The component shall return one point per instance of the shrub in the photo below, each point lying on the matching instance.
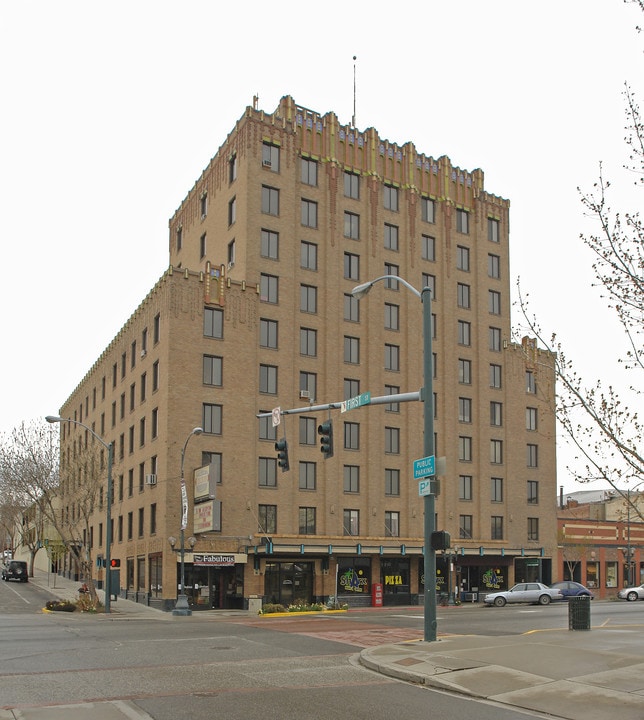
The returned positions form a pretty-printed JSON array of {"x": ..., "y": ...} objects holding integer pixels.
[
  {"x": 273, "y": 608},
  {"x": 60, "y": 606}
]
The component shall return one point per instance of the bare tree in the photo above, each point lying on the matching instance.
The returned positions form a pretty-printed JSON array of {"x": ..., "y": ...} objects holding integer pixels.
[{"x": 602, "y": 421}]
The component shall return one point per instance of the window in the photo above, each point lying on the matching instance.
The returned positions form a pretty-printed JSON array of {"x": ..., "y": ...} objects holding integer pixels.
[
  {"x": 351, "y": 482},
  {"x": 132, "y": 366},
  {"x": 493, "y": 230},
  {"x": 351, "y": 388},
  {"x": 308, "y": 435},
  {"x": 496, "y": 527},
  {"x": 202, "y": 246},
  {"x": 427, "y": 210},
  {"x": 308, "y": 298},
  {"x": 351, "y": 349},
  {"x": 463, "y": 258},
  {"x": 465, "y": 526},
  {"x": 392, "y": 441},
  {"x": 232, "y": 211},
  {"x": 392, "y": 321},
  {"x": 309, "y": 171},
  {"x": 268, "y": 379},
  {"x": 141, "y": 524},
  {"x": 212, "y": 418},
  {"x": 213, "y": 323},
  {"x": 351, "y": 436},
  {"x": 464, "y": 487},
  {"x": 141, "y": 477},
  {"x": 533, "y": 492},
  {"x": 391, "y": 269},
  {"x": 143, "y": 386},
  {"x": 307, "y": 476},
  {"x": 462, "y": 221},
  {"x": 309, "y": 383},
  {"x": 391, "y": 237},
  {"x": 269, "y": 244},
  {"x": 308, "y": 342},
  {"x": 496, "y": 489},
  {"x": 267, "y": 472},
  {"x": 464, "y": 333},
  {"x": 203, "y": 205},
  {"x": 533, "y": 528},
  {"x": 155, "y": 376},
  {"x": 308, "y": 255},
  {"x": 267, "y": 519},
  {"x": 179, "y": 238},
  {"x": 351, "y": 266},
  {"x": 392, "y": 523},
  {"x": 392, "y": 390},
  {"x": 142, "y": 432},
  {"x": 494, "y": 339},
  {"x": 153, "y": 519},
  {"x": 271, "y": 157},
  {"x": 154, "y": 430},
  {"x": 464, "y": 371},
  {"x": 391, "y": 198},
  {"x": 232, "y": 169},
  {"x": 351, "y": 308},
  {"x": 156, "y": 329},
  {"x": 130, "y": 482},
  {"x": 122, "y": 405},
  {"x": 268, "y": 288},
  {"x": 268, "y": 333},
  {"x": 496, "y": 414},
  {"x": 494, "y": 266},
  {"x": 267, "y": 431},
  {"x": 214, "y": 460},
  {"x": 530, "y": 382},
  {"x": 352, "y": 185},
  {"x": 132, "y": 396},
  {"x": 352, "y": 225},
  {"x": 123, "y": 371},
  {"x": 351, "y": 522},
  {"x": 428, "y": 247},
  {"x": 496, "y": 452},
  {"x": 495, "y": 376},
  {"x": 463, "y": 296},
  {"x": 392, "y": 357},
  {"x": 212, "y": 370},
  {"x": 270, "y": 200},
  {"x": 465, "y": 410},
  {"x": 494, "y": 302},
  {"x": 532, "y": 455},
  {"x": 392, "y": 482},
  {"x": 465, "y": 448},
  {"x": 531, "y": 418},
  {"x": 307, "y": 521},
  {"x": 309, "y": 213}
]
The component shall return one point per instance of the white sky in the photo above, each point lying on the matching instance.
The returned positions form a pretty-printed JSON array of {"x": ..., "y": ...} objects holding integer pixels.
[{"x": 112, "y": 111}]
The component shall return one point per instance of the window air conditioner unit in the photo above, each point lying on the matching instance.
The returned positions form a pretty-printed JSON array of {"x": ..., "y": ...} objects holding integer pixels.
[
  {"x": 143, "y": 353},
  {"x": 231, "y": 264},
  {"x": 150, "y": 479},
  {"x": 305, "y": 395},
  {"x": 266, "y": 163}
]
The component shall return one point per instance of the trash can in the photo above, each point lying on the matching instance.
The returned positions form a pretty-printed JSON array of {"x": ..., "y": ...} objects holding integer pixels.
[{"x": 579, "y": 613}]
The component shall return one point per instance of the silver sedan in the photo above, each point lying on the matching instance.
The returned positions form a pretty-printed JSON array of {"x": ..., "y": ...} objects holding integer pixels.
[
  {"x": 532, "y": 592},
  {"x": 631, "y": 593}
]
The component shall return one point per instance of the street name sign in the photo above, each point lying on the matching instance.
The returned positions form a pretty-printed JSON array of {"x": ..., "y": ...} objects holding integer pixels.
[{"x": 355, "y": 402}]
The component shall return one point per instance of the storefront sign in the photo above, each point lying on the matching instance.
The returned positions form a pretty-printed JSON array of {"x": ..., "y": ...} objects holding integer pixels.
[
  {"x": 205, "y": 482},
  {"x": 213, "y": 560}
]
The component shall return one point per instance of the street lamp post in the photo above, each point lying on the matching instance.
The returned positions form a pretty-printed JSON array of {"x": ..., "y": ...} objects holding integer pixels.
[
  {"x": 427, "y": 395},
  {"x": 181, "y": 607},
  {"x": 108, "y": 527}
]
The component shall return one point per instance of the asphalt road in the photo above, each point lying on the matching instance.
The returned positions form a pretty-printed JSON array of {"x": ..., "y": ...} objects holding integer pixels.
[{"x": 240, "y": 668}]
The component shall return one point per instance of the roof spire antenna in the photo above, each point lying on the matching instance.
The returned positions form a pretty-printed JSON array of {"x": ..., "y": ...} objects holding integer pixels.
[{"x": 353, "y": 119}]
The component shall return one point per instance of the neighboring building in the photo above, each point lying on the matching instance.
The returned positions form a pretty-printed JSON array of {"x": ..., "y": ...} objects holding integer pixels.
[
  {"x": 255, "y": 312},
  {"x": 597, "y": 538}
]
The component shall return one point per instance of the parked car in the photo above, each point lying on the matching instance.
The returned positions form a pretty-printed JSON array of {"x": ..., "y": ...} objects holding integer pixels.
[
  {"x": 532, "y": 592},
  {"x": 570, "y": 588},
  {"x": 15, "y": 570},
  {"x": 631, "y": 593}
]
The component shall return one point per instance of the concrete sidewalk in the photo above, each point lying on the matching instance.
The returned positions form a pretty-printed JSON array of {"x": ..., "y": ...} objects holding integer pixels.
[{"x": 580, "y": 675}]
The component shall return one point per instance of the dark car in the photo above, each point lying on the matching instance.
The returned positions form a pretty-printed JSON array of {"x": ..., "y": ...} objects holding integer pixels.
[
  {"x": 15, "y": 570},
  {"x": 569, "y": 589}
]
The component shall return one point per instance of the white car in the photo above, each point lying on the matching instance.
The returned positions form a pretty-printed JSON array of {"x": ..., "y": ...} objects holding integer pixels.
[
  {"x": 631, "y": 593},
  {"x": 532, "y": 592}
]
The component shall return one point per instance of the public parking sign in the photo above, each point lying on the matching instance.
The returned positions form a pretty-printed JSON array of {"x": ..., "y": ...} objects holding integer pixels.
[{"x": 425, "y": 467}]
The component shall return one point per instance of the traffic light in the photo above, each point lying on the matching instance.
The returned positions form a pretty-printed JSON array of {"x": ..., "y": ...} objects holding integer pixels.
[
  {"x": 441, "y": 540},
  {"x": 282, "y": 454},
  {"x": 325, "y": 431},
  {"x": 115, "y": 563}
]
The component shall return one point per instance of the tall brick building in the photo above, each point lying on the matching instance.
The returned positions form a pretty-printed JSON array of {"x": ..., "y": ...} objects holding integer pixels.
[{"x": 255, "y": 312}]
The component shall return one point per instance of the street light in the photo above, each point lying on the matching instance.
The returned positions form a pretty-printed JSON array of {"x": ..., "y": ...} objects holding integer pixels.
[
  {"x": 108, "y": 527},
  {"x": 427, "y": 395},
  {"x": 181, "y": 606}
]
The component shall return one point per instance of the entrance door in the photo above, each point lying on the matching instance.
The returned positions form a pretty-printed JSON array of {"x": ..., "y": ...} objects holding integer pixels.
[
  {"x": 289, "y": 583},
  {"x": 394, "y": 573}
]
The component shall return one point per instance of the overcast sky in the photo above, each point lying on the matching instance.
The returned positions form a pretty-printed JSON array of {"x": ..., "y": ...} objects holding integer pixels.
[{"x": 112, "y": 111}]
